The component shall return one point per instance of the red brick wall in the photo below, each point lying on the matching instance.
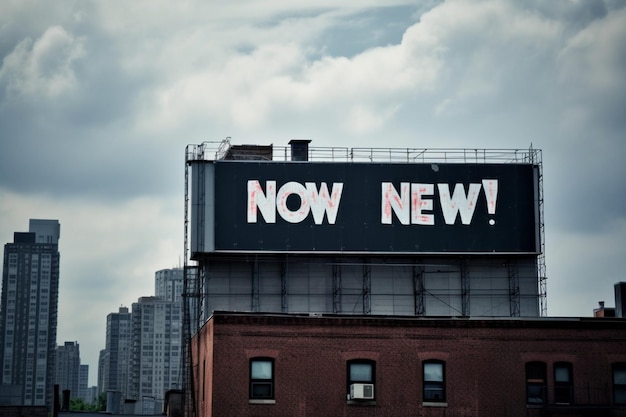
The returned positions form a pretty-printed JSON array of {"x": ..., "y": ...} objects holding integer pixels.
[{"x": 484, "y": 362}]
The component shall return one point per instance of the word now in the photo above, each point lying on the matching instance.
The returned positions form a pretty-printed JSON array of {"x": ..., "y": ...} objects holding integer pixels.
[
  {"x": 409, "y": 205},
  {"x": 312, "y": 200}
]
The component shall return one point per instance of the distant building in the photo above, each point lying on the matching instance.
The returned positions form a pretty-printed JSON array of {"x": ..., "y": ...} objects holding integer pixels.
[
  {"x": 116, "y": 356},
  {"x": 28, "y": 315},
  {"x": 156, "y": 363},
  {"x": 620, "y": 299},
  {"x": 168, "y": 284},
  {"x": 70, "y": 374}
]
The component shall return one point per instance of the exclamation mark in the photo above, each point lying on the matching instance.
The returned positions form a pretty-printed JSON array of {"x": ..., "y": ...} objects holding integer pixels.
[{"x": 491, "y": 192}]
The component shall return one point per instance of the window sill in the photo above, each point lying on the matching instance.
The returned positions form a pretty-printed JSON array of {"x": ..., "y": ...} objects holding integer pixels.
[
  {"x": 433, "y": 404},
  {"x": 361, "y": 402},
  {"x": 251, "y": 401}
]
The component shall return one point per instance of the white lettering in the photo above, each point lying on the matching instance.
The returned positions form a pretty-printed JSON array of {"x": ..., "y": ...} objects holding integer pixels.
[
  {"x": 392, "y": 202},
  {"x": 458, "y": 202},
  {"x": 292, "y": 216},
  {"x": 266, "y": 203},
  {"x": 419, "y": 203},
  {"x": 319, "y": 202},
  {"x": 322, "y": 202}
]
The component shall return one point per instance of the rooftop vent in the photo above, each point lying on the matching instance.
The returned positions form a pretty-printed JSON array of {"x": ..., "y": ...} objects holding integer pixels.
[{"x": 299, "y": 149}]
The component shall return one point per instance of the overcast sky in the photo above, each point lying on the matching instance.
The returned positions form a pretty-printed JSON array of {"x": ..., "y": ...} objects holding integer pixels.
[{"x": 98, "y": 100}]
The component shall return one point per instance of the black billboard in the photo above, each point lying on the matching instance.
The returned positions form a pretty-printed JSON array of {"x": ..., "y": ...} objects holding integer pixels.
[{"x": 367, "y": 207}]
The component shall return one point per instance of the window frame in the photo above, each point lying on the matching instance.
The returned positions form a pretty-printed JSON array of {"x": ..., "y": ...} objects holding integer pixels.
[
  {"x": 372, "y": 380},
  {"x": 429, "y": 386},
  {"x": 564, "y": 390},
  {"x": 255, "y": 382},
  {"x": 619, "y": 389},
  {"x": 538, "y": 380}
]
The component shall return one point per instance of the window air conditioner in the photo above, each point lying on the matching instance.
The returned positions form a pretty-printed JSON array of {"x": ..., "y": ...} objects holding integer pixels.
[{"x": 362, "y": 391}]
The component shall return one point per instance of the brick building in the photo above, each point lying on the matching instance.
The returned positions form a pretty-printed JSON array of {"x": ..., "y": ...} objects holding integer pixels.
[{"x": 251, "y": 364}]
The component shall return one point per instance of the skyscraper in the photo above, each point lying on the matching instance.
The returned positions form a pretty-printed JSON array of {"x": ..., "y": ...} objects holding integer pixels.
[
  {"x": 168, "y": 284},
  {"x": 117, "y": 353},
  {"x": 157, "y": 325},
  {"x": 70, "y": 374},
  {"x": 28, "y": 314}
]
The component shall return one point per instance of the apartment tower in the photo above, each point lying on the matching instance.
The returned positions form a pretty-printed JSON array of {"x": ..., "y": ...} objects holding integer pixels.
[{"x": 28, "y": 315}]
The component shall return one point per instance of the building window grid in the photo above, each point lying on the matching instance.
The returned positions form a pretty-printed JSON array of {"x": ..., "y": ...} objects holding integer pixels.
[
  {"x": 619, "y": 383},
  {"x": 262, "y": 379},
  {"x": 433, "y": 381},
  {"x": 563, "y": 383},
  {"x": 361, "y": 371},
  {"x": 536, "y": 387}
]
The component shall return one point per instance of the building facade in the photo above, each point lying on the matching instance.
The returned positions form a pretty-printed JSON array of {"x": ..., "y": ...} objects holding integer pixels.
[
  {"x": 117, "y": 353},
  {"x": 391, "y": 237},
  {"x": 156, "y": 352},
  {"x": 253, "y": 364},
  {"x": 28, "y": 314},
  {"x": 70, "y": 374},
  {"x": 168, "y": 284}
]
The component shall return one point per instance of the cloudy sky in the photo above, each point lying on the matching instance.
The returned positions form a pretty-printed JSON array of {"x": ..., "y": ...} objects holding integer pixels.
[{"x": 99, "y": 99}]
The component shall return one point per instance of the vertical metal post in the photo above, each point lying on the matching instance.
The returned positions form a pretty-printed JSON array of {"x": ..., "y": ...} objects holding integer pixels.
[
  {"x": 255, "y": 285},
  {"x": 465, "y": 288},
  {"x": 418, "y": 290},
  {"x": 367, "y": 288},
  {"x": 336, "y": 288},
  {"x": 514, "y": 293},
  {"x": 284, "y": 274}
]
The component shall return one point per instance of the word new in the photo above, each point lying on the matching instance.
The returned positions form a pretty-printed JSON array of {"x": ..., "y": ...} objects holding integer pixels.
[{"x": 411, "y": 205}]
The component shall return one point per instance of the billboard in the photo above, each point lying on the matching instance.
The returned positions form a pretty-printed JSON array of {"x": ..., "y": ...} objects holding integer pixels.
[{"x": 269, "y": 206}]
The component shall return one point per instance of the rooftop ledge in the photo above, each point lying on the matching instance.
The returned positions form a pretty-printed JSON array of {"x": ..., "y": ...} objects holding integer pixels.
[{"x": 224, "y": 150}]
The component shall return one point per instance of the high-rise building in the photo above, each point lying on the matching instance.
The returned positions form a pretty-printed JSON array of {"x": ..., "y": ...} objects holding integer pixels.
[
  {"x": 28, "y": 314},
  {"x": 168, "y": 284},
  {"x": 116, "y": 357},
  {"x": 155, "y": 365},
  {"x": 70, "y": 374}
]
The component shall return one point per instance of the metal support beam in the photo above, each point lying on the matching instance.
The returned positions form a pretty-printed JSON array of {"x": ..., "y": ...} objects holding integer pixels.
[
  {"x": 465, "y": 288},
  {"x": 514, "y": 293},
  {"x": 255, "y": 285},
  {"x": 418, "y": 290},
  {"x": 336, "y": 288},
  {"x": 284, "y": 273},
  {"x": 367, "y": 289}
]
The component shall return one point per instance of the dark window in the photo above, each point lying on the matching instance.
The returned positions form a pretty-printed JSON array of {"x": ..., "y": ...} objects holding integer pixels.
[
  {"x": 536, "y": 383},
  {"x": 434, "y": 382},
  {"x": 619, "y": 383},
  {"x": 362, "y": 371},
  {"x": 563, "y": 383},
  {"x": 262, "y": 378}
]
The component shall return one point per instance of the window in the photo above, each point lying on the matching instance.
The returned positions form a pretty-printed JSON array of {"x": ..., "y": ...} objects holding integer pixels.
[
  {"x": 535, "y": 383},
  {"x": 563, "y": 383},
  {"x": 434, "y": 383},
  {"x": 262, "y": 378},
  {"x": 619, "y": 383},
  {"x": 361, "y": 371}
]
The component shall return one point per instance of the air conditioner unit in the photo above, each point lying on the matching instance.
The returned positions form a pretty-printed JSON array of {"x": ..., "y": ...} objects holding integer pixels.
[{"x": 362, "y": 391}]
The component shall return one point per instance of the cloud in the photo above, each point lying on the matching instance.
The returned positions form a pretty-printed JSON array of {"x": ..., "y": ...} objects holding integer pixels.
[{"x": 98, "y": 100}]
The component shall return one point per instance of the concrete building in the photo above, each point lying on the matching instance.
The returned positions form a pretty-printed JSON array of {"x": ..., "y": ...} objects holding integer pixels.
[
  {"x": 117, "y": 353},
  {"x": 156, "y": 353},
  {"x": 70, "y": 374},
  {"x": 255, "y": 364},
  {"x": 168, "y": 284},
  {"x": 28, "y": 315}
]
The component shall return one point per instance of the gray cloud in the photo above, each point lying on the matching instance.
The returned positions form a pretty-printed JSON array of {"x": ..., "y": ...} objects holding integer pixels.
[{"x": 97, "y": 103}]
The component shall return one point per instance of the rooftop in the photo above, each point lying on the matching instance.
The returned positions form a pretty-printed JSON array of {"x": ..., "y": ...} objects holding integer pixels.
[{"x": 220, "y": 150}]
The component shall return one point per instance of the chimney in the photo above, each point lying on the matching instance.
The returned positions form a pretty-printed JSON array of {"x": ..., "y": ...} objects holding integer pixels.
[{"x": 299, "y": 149}]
